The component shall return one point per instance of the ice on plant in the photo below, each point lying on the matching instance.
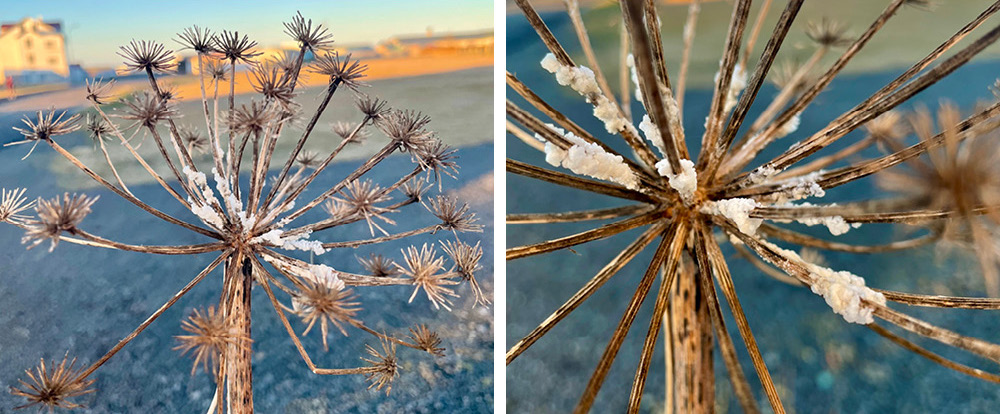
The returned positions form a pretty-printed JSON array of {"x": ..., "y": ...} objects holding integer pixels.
[{"x": 589, "y": 159}]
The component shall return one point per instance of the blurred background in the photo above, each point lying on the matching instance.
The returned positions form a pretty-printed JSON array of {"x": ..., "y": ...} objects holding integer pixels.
[
  {"x": 433, "y": 56},
  {"x": 820, "y": 364}
]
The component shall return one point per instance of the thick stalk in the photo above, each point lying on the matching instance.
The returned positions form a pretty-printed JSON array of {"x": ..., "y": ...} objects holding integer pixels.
[
  {"x": 239, "y": 374},
  {"x": 691, "y": 338}
]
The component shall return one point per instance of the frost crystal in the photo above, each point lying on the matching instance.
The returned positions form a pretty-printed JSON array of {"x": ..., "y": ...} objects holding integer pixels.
[
  {"x": 207, "y": 214},
  {"x": 738, "y": 210},
  {"x": 686, "y": 182},
  {"x": 294, "y": 242},
  {"x": 652, "y": 134},
  {"x": 736, "y": 85},
  {"x": 836, "y": 224},
  {"x": 589, "y": 159},
  {"x": 582, "y": 80},
  {"x": 788, "y": 127},
  {"x": 842, "y": 290},
  {"x": 801, "y": 187}
]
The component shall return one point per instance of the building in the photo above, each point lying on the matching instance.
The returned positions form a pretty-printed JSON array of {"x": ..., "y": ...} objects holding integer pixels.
[
  {"x": 476, "y": 43},
  {"x": 33, "y": 51}
]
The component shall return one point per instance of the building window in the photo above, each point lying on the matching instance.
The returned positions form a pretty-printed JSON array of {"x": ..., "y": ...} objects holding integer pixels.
[
  {"x": 31, "y": 59},
  {"x": 53, "y": 61},
  {"x": 51, "y": 44},
  {"x": 27, "y": 43}
]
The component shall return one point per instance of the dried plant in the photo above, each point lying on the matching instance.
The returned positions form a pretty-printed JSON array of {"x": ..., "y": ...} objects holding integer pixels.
[
  {"x": 689, "y": 207},
  {"x": 253, "y": 226}
]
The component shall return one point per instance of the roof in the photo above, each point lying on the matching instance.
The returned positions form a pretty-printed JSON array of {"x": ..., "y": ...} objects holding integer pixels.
[
  {"x": 423, "y": 40},
  {"x": 56, "y": 25}
]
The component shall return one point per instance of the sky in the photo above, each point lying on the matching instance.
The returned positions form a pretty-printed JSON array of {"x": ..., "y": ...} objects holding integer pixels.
[{"x": 95, "y": 32}]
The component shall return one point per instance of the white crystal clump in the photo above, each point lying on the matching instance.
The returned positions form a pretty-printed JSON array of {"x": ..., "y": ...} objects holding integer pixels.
[
  {"x": 836, "y": 224},
  {"x": 590, "y": 159},
  {"x": 842, "y": 290},
  {"x": 582, "y": 80},
  {"x": 300, "y": 241},
  {"x": 737, "y": 83},
  {"x": 738, "y": 211},
  {"x": 685, "y": 182},
  {"x": 652, "y": 134}
]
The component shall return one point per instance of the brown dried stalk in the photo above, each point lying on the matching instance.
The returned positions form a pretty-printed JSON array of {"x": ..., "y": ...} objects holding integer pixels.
[{"x": 690, "y": 204}]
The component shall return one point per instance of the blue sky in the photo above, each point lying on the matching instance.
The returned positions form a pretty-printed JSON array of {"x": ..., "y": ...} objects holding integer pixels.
[{"x": 95, "y": 30}]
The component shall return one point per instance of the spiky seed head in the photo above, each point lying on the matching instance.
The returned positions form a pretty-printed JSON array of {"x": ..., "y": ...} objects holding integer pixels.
[
  {"x": 286, "y": 62},
  {"x": 379, "y": 266},
  {"x": 338, "y": 209},
  {"x": 373, "y": 108},
  {"x": 437, "y": 158},
  {"x": 308, "y": 159},
  {"x": 235, "y": 48},
  {"x": 216, "y": 70},
  {"x": 302, "y": 31},
  {"x": 192, "y": 138},
  {"x": 52, "y": 386},
  {"x": 785, "y": 72},
  {"x": 362, "y": 196},
  {"x": 148, "y": 109},
  {"x": 147, "y": 55},
  {"x": 453, "y": 217},
  {"x": 48, "y": 125},
  {"x": 886, "y": 127},
  {"x": 384, "y": 368},
  {"x": 12, "y": 203},
  {"x": 828, "y": 33},
  {"x": 341, "y": 71},
  {"x": 200, "y": 40},
  {"x": 210, "y": 334},
  {"x": 270, "y": 81},
  {"x": 328, "y": 303},
  {"x": 422, "y": 267},
  {"x": 407, "y": 128},
  {"x": 427, "y": 340},
  {"x": 414, "y": 189},
  {"x": 56, "y": 216},
  {"x": 97, "y": 129},
  {"x": 251, "y": 119},
  {"x": 169, "y": 92},
  {"x": 465, "y": 256},
  {"x": 345, "y": 129},
  {"x": 466, "y": 259},
  {"x": 99, "y": 91}
]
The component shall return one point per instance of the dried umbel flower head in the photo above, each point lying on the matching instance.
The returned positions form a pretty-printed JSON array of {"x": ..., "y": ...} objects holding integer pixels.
[
  {"x": 350, "y": 132},
  {"x": 438, "y": 157},
  {"x": 217, "y": 70},
  {"x": 379, "y": 266},
  {"x": 327, "y": 302},
  {"x": 427, "y": 340},
  {"x": 828, "y": 33},
  {"x": 235, "y": 48},
  {"x": 52, "y": 386},
  {"x": 12, "y": 204},
  {"x": 740, "y": 184},
  {"x": 193, "y": 139},
  {"x": 251, "y": 119},
  {"x": 56, "y": 216},
  {"x": 466, "y": 259},
  {"x": 252, "y": 209},
  {"x": 97, "y": 128},
  {"x": 341, "y": 71},
  {"x": 383, "y": 366},
  {"x": 198, "y": 39},
  {"x": 374, "y": 108},
  {"x": 886, "y": 128},
  {"x": 271, "y": 82},
  {"x": 425, "y": 269},
  {"x": 99, "y": 91},
  {"x": 45, "y": 128},
  {"x": 147, "y": 109},
  {"x": 148, "y": 56},
  {"x": 407, "y": 129},
  {"x": 210, "y": 333},
  {"x": 964, "y": 177},
  {"x": 309, "y": 37},
  {"x": 453, "y": 217}
]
